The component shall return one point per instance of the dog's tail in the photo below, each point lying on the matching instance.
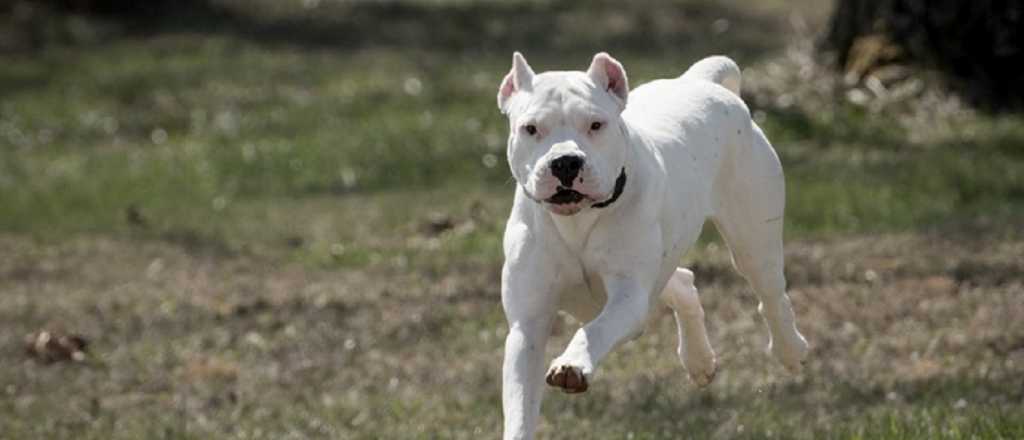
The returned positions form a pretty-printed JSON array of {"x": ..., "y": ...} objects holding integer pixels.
[{"x": 717, "y": 69}]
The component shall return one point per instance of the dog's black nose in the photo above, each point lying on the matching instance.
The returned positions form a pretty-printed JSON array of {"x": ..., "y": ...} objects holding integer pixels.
[{"x": 565, "y": 168}]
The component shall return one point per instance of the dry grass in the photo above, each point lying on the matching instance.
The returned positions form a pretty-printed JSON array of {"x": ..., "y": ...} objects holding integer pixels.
[
  {"x": 192, "y": 345},
  {"x": 227, "y": 215}
]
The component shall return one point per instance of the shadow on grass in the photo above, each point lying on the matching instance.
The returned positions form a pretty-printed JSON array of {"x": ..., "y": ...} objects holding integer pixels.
[
  {"x": 557, "y": 27},
  {"x": 640, "y": 28}
]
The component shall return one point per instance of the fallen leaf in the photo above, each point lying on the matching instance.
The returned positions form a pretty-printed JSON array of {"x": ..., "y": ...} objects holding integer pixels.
[{"x": 54, "y": 346}]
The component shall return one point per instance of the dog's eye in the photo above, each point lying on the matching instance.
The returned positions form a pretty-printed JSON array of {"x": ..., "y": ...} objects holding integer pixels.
[
  {"x": 530, "y": 129},
  {"x": 596, "y": 126}
]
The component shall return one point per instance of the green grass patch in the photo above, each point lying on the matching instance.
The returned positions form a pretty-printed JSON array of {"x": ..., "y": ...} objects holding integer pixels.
[{"x": 182, "y": 129}]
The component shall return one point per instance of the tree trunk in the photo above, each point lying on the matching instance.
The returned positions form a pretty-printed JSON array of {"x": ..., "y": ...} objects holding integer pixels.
[{"x": 978, "y": 43}]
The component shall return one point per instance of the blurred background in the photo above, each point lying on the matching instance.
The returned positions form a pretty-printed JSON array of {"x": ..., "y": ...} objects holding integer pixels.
[{"x": 282, "y": 218}]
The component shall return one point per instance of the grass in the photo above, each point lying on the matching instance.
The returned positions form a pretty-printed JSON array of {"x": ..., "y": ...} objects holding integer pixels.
[
  {"x": 270, "y": 234},
  {"x": 206, "y": 122}
]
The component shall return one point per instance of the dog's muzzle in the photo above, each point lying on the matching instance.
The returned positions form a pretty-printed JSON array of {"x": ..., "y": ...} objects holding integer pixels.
[{"x": 565, "y": 196}]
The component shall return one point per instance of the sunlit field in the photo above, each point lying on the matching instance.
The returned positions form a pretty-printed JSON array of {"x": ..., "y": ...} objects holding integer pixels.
[{"x": 286, "y": 223}]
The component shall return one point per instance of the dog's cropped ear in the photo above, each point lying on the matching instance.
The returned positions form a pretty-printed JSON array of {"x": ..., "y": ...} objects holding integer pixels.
[
  {"x": 519, "y": 79},
  {"x": 608, "y": 73}
]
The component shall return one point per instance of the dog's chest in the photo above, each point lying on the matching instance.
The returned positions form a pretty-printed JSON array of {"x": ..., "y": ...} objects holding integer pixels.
[
  {"x": 583, "y": 294},
  {"x": 575, "y": 230}
]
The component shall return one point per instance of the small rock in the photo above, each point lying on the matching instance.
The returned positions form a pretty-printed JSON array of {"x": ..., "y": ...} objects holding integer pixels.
[
  {"x": 437, "y": 223},
  {"x": 50, "y": 347}
]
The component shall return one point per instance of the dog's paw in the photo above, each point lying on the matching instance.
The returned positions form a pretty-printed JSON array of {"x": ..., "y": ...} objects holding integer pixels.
[
  {"x": 569, "y": 378},
  {"x": 699, "y": 361},
  {"x": 703, "y": 372},
  {"x": 791, "y": 351}
]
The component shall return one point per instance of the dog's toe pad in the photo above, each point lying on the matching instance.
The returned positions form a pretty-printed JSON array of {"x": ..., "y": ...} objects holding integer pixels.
[{"x": 570, "y": 379}]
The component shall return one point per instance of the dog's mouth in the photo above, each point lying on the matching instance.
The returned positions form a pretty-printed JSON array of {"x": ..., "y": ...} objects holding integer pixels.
[{"x": 565, "y": 196}]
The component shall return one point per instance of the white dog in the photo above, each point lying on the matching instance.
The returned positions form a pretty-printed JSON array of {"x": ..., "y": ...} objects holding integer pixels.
[{"x": 609, "y": 198}]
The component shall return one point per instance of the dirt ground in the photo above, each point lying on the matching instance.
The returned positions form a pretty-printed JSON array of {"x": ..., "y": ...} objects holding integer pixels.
[{"x": 190, "y": 343}]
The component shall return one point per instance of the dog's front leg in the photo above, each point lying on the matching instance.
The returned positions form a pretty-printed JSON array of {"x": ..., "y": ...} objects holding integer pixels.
[
  {"x": 529, "y": 302},
  {"x": 623, "y": 317}
]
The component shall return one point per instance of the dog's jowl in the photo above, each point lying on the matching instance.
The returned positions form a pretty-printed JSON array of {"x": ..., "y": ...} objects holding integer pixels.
[{"x": 613, "y": 186}]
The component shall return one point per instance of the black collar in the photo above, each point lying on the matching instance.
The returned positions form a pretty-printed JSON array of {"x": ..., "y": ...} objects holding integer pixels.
[{"x": 620, "y": 184}]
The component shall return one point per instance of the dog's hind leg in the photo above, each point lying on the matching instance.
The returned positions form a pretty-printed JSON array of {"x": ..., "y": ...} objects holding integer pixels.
[
  {"x": 694, "y": 348},
  {"x": 749, "y": 218}
]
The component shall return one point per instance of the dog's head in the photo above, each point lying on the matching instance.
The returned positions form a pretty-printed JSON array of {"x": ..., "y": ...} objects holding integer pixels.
[{"x": 567, "y": 144}]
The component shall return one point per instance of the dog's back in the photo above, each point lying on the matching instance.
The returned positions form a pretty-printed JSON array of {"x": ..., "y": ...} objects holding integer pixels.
[
  {"x": 718, "y": 69},
  {"x": 668, "y": 105},
  {"x": 696, "y": 122}
]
